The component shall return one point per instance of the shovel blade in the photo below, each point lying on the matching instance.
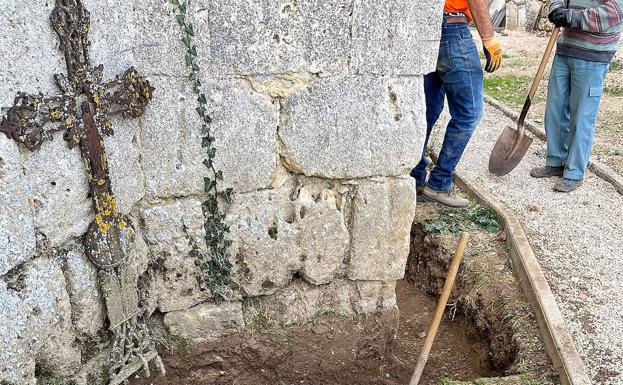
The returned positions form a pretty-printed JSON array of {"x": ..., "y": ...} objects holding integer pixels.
[{"x": 508, "y": 152}]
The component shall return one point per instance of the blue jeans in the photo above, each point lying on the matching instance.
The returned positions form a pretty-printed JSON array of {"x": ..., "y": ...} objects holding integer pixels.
[
  {"x": 458, "y": 77},
  {"x": 573, "y": 97}
]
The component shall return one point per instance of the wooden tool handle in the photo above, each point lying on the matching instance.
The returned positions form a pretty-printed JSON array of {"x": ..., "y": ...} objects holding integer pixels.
[
  {"x": 441, "y": 306},
  {"x": 538, "y": 77}
]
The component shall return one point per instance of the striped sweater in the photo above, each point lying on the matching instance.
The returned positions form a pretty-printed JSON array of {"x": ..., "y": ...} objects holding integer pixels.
[{"x": 597, "y": 29}]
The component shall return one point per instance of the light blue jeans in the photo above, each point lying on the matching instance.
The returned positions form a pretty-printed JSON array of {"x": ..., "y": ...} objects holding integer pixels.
[{"x": 573, "y": 97}]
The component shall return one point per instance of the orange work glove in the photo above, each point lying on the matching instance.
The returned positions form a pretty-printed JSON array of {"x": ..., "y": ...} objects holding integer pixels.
[{"x": 493, "y": 53}]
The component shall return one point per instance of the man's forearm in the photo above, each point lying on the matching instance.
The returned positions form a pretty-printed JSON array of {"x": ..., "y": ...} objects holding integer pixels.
[{"x": 480, "y": 13}]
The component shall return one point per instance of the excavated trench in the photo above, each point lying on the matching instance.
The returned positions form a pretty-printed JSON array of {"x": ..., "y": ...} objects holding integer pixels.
[{"x": 489, "y": 331}]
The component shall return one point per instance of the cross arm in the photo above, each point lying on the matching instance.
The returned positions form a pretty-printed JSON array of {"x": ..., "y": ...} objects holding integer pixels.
[{"x": 27, "y": 119}]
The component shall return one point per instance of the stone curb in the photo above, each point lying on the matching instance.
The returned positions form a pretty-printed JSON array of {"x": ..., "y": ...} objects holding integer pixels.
[
  {"x": 601, "y": 170},
  {"x": 558, "y": 342}
]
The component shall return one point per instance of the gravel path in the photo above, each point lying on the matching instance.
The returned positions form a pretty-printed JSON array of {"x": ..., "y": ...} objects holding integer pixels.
[{"x": 577, "y": 237}]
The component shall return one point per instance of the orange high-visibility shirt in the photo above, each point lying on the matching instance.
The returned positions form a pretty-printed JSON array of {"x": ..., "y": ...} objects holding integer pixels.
[{"x": 458, "y": 6}]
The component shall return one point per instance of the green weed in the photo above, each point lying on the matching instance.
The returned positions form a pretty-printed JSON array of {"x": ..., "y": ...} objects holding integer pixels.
[
  {"x": 509, "y": 89},
  {"x": 478, "y": 217},
  {"x": 179, "y": 344}
]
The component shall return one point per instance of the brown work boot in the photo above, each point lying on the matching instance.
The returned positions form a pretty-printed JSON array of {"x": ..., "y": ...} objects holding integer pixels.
[
  {"x": 547, "y": 171},
  {"x": 448, "y": 198}
]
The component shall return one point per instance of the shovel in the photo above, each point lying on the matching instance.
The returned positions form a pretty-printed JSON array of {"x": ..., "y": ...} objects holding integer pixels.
[{"x": 513, "y": 144}]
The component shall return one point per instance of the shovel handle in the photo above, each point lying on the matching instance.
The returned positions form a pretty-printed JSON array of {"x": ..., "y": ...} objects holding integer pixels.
[
  {"x": 441, "y": 306},
  {"x": 537, "y": 80}
]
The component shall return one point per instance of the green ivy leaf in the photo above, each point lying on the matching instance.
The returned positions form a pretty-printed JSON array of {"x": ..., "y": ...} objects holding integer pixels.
[
  {"x": 193, "y": 50},
  {"x": 183, "y": 7},
  {"x": 202, "y": 99},
  {"x": 211, "y": 152},
  {"x": 189, "y": 60},
  {"x": 207, "y": 163},
  {"x": 228, "y": 196},
  {"x": 181, "y": 20},
  {"x": 201, "y": 111},
  {"x": 190, "y": 30},
  {"x": 218, "y": 175},
  {"x": 186, "y": 41}
]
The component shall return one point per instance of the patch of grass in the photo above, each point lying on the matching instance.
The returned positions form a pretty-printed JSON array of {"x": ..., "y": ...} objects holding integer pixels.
[
  {"x": 614, "y": 91},
  {"x": 179, "y": 344},
  {"x": 605, "y": 151},
  {"x": 509, "y": 89},
  {"x": 616, "y": 66},
  {"x": 477, "y": 217}
]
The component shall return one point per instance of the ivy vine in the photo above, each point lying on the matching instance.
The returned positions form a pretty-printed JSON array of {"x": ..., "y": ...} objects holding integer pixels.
[{"x": 215, "y": 268}]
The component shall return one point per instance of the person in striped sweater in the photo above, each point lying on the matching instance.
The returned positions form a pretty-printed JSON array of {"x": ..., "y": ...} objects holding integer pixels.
[{"x": 591, "y": 31}]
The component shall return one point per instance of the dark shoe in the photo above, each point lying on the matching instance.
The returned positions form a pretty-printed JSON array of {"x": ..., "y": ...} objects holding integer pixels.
[
  {"x": 567, "y": 185},
  {"x": 547, "y": 171},
  {"x": 419, "y": 189},
  {"x": 447, "y": 198}
]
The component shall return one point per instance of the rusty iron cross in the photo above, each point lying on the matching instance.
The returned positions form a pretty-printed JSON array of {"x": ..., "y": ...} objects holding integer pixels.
[{"x": 83, "y": 110}]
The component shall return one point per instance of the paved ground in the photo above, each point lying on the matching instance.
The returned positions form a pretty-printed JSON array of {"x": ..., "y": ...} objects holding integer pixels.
[{"x": 578, "y": 239}]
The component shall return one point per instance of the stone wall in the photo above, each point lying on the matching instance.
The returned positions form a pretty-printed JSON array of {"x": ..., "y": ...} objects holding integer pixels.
[{"x": 318, "y": 115}]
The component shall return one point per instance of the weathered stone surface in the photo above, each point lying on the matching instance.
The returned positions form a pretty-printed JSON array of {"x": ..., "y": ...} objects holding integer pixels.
[
  {"x": 371, "y": 126},
  {"x": 301, "y": 302},
  {"x": 205, "y": 321},
  {"x": 245, "y": 126},
  {"x": 278, "y": 233},
  {"x": 58, "y": 183},
  {"x": 396, "y": 36},
  {"x": 87, "y": 308},
  {"x": 267, "y": 36},
  {"x": 126, "y": 175},
  {"x": 35, "y": 324},
  {"x": 29, "y": 53},
  {"x": 17, "y": 232},
  {"x": 176, "y": 277},
  {"x": 383, "y": 212}
]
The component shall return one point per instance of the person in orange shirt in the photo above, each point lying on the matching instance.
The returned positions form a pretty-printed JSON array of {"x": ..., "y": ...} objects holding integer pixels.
[{"x": 459, "y": 79}]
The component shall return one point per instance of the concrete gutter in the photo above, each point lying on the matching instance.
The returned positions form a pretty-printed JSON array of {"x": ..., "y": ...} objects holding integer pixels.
[
  {"x": 558, "y": 341},
  {"x": 601, "y": 170}
]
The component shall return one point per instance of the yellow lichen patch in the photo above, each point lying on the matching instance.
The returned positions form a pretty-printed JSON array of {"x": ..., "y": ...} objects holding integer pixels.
[
  {"x": 69, "y": 121},
  {"x": 98, "y": 219},
  {"x": 104, "y": 227},
  {"x": 56, "y": 115},
  {"x": 100, "y": 182},
  {"x": 280, "y": 86},
  {"x": 122, "y": 224}
]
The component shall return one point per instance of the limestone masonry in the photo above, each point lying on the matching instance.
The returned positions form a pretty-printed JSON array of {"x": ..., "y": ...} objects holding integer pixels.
[{"x": 319, "y": 115}]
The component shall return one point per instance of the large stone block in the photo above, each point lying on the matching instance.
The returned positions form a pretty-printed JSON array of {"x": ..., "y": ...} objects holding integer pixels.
[
  {"x": 35, "y": 324},
  {"x": 58, "y": 183},
  {"x": 176, "y": 275},
  {"x": 87, "y": 307},
  {"x": 126, "y": 175},
  {"x": 396, "y": 37},
  {"x": 17, "y": 231},
  {"x": 267, "y": 36},
  {"x": 383, "y": 212},
  {"x": 301, "y": 302},
  {"x": 278, "y": 233},
  {"x": 29, "y": 50},
  {"x": 354, "y": 127},
  {"x": 205, "y": 321},
  {"x": 245, "y": 126}
]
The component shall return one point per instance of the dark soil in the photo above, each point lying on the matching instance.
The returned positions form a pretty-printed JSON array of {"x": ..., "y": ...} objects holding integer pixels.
[{"x": 337, "y": 351}]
